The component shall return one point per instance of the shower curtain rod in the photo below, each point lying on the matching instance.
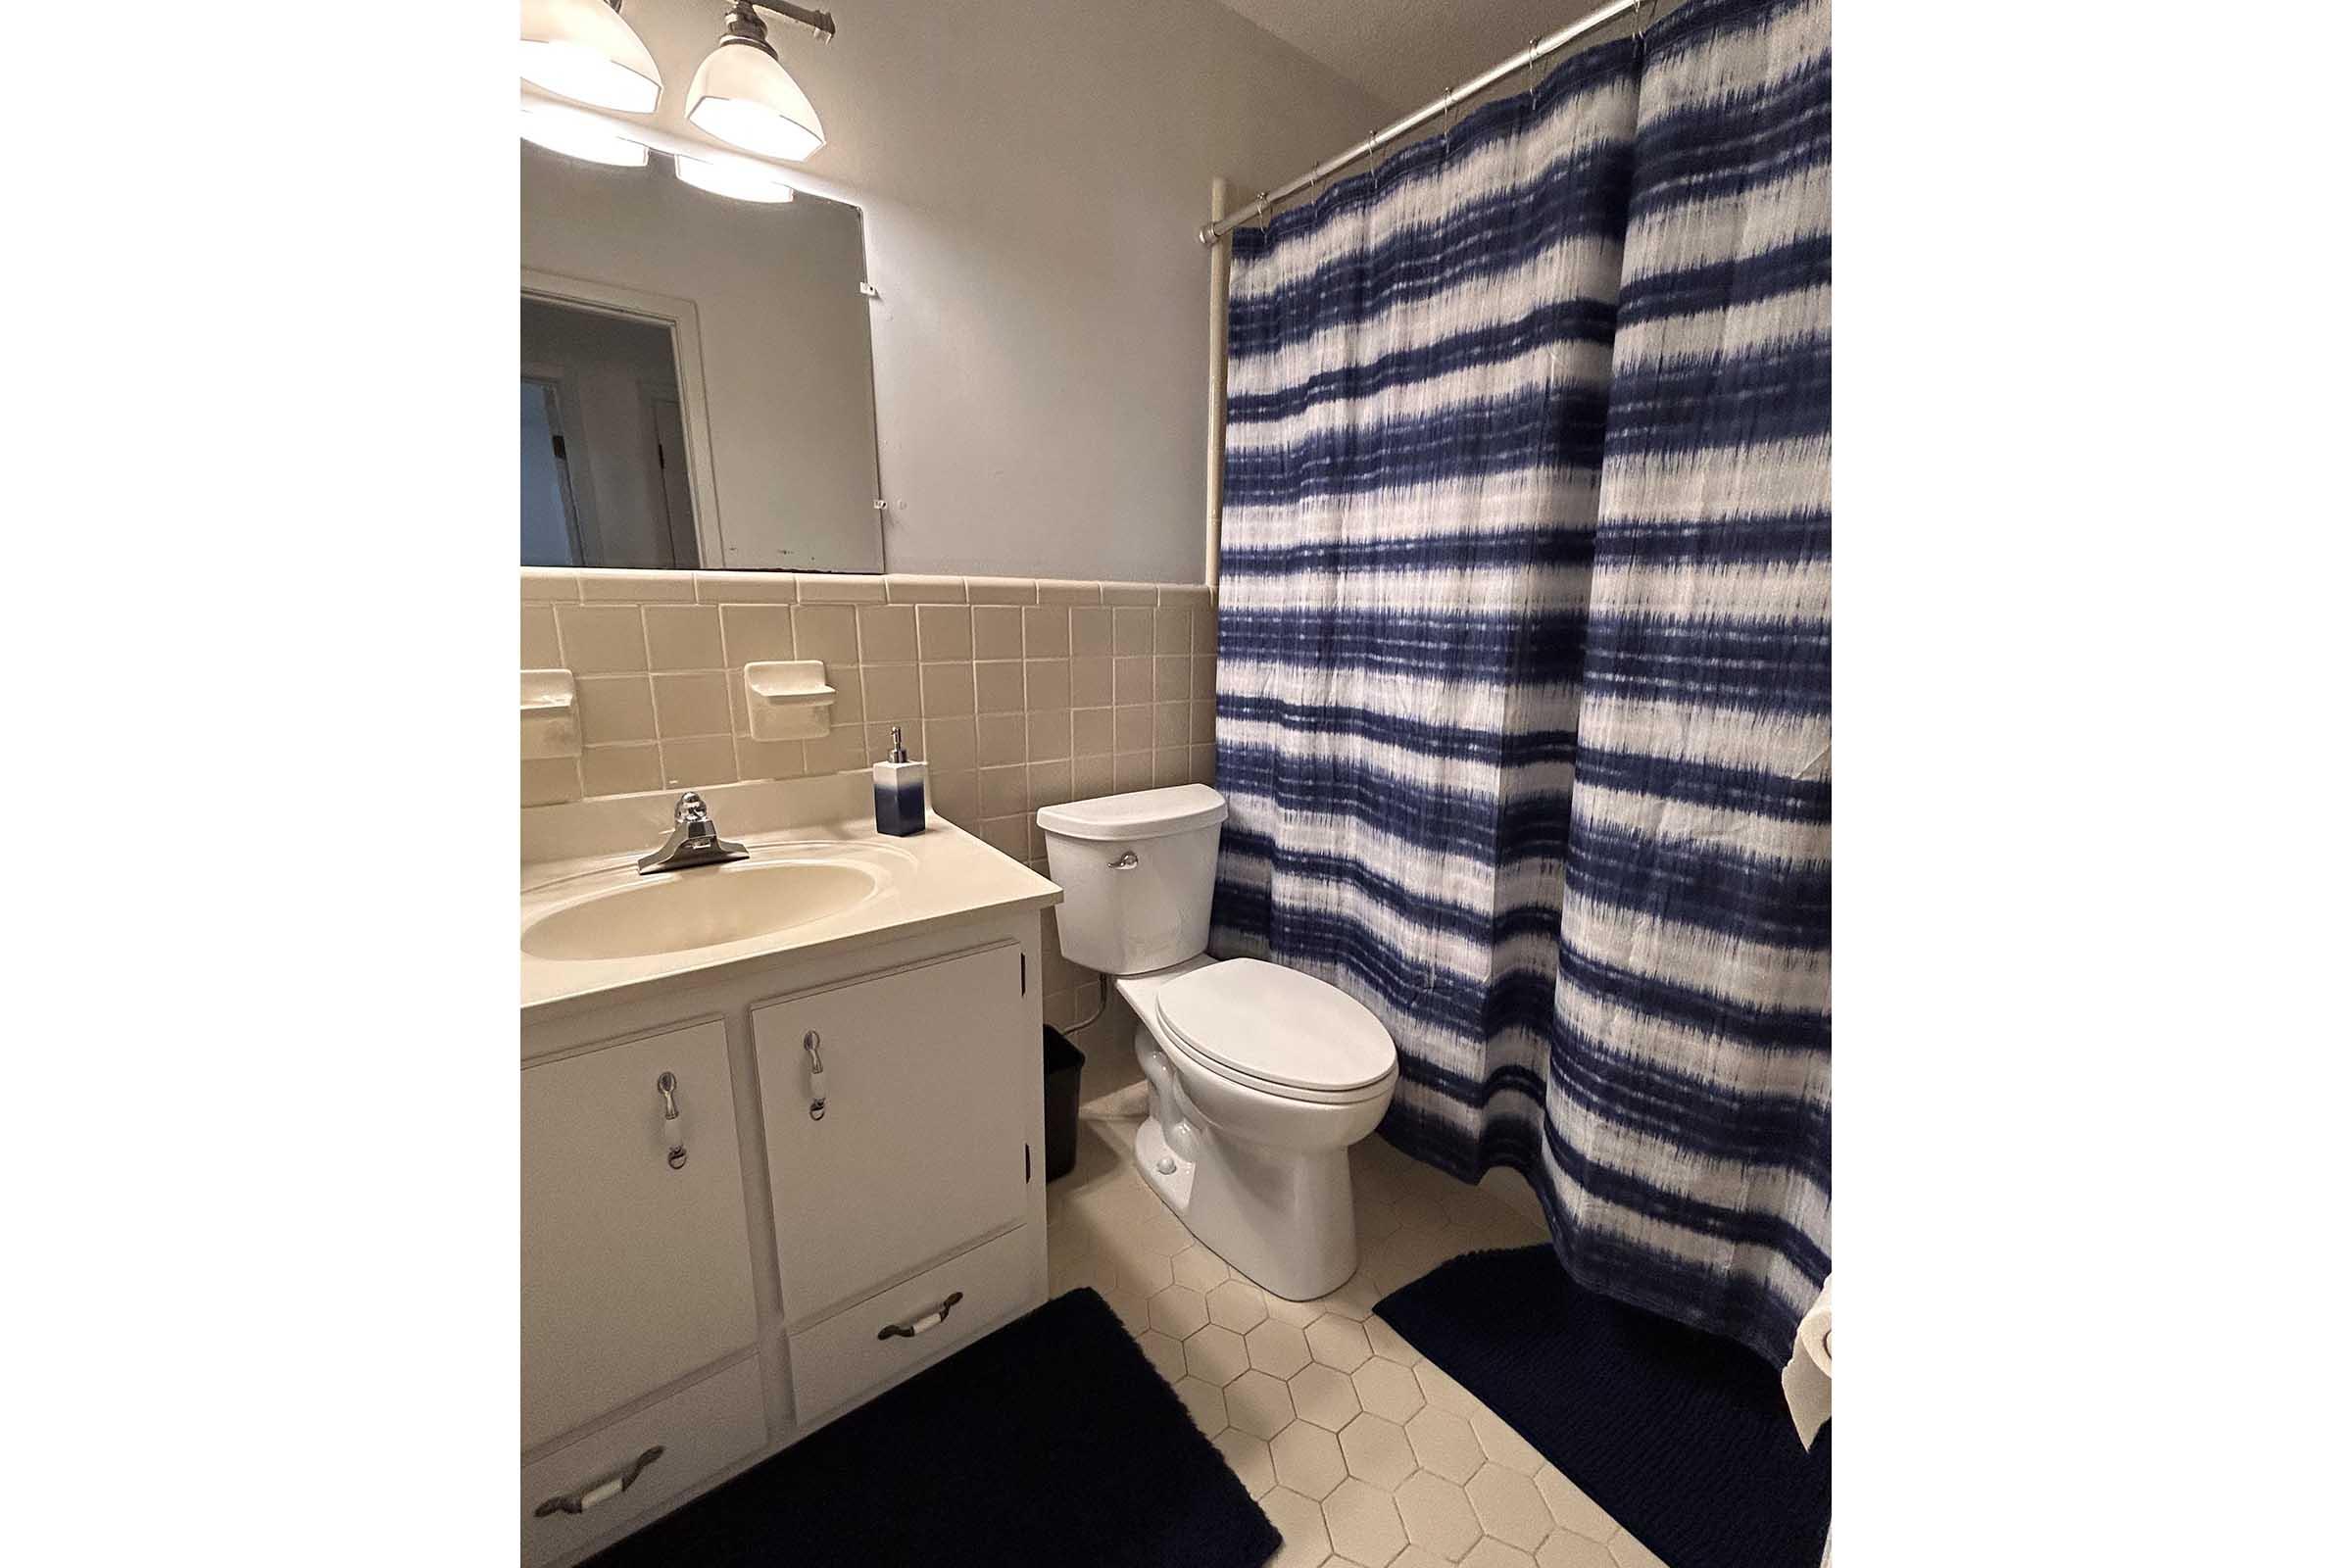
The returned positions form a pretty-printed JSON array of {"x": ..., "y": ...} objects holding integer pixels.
[{"x": 1219, "y": 227}]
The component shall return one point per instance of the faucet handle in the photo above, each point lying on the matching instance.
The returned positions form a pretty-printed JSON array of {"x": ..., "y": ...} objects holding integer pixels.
[{"x": 690, "y": 809}]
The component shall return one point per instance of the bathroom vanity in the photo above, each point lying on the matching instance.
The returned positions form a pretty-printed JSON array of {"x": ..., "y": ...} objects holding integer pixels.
[{"x": 782, "y": 1135}]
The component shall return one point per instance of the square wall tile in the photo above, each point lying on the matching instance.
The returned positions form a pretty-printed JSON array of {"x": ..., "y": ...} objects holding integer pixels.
[
  {"x": 948, "y": 691},
  {"x": 996, "y": 632},
  {"x": 1130, "y": 771},
  {"x": 539, "y": 647},
  {"x": 893, "y": 694},
  {"x": 1089, "y": 778},
  {"x": 1132, "y": 680},
  {"x": 551, "y": 781},
  {"x": 1049, "y": 783},
  {"x": 1090, "y": 732},
  {"x": 690, "y": 764},
  {"x": 1003, "y": 738},
  {"x": 686, "y": 705},
  {"x": 754, "y": 634},
  {"x": 684, "y": 637},
  {"x": 1049, "y": 735},
  {"x": 1090, "y": 682},
  {"x": 824, "y": 631},
  {"x": 1173, "y": 725},
  {"x": 1005, "y": 792},
  {"x": 1131, "y": 729},
  {"x": 601, "y": 639},
  {"x": 1172, "y": 679},
  {"x": 886, "y": 634},
  {"x": 1089, "y": 632},
  {"x": 621, "y": 769},
  {"x": 1000, "y": 687},
  {"x": 1046, "y": 631},
  {"x": 952, "y": 744},
  {"x": 1048, "y": 682},
  {"x": 615, "y": 708},
  {"x": 943, "y": 631},
  {"x": 954, "y": 793},
  {"x": 1131, "y": 631},
  {"x": 770, "y": 759}
]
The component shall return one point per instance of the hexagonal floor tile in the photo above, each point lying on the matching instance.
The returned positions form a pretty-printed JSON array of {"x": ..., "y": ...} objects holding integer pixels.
[
  {"x": 1387, "y": 1343},
  {"x": 1249, "y": 1459},
  {"x": 1179, "y": 1312},
  {"x": 1336, "y": 1342},
  {"x": 1132, "y": 1310},
  {"x": 1493, "y": 1554},
  {"x": 1436, "y": 1515},
  {"x": 1278, "y": 1348},
  {"x": 1439, "y": 1389},
  {"x": 1571, "y": 1509},
  {"x": 1377, "y": 1451},
  {"x": 1565, "y": 1548},
  {"x": 1631, "y": 1553},
  {"x": 1443, "y": 1443},
  {"x": 1322, "y": 1395},
  {"x": 1258, "y": 1402},
  {"x": 1216, "y": 1355},
  {"x": 1307, "y": 1459},
  {"x": 1304, "y": 1540},
  {"x": 1200, "y": 1268},
  {"x": 1363, "y": 1523},
  {"x": 1237, "y": 1304},
  {"x": 1503, "y": 1445},
  {"x": 1508, "y": 1507},
  {"x": 1167, "y": 1355},
  {"x": 1387, "y": 1389},
  {"x": 1206, "y": 1402}
]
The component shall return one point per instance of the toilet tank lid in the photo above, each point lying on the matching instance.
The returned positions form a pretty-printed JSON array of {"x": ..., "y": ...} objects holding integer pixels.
[{"x": 1140, "y": 815}]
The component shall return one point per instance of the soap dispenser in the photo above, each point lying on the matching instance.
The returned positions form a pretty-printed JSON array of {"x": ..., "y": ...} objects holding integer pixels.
[{"x": 898, "y": 792}]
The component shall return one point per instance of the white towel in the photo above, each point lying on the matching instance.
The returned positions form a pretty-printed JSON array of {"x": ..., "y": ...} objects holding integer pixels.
[{"x": 1805, "y": 1380}]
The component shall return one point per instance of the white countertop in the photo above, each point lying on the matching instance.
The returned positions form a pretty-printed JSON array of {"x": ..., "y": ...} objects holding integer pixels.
[{"x": 586, "y": 849}]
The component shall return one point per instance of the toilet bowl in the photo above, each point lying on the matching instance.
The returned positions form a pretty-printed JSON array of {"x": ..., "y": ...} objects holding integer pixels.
[{"x": 1261, "y": 1077}]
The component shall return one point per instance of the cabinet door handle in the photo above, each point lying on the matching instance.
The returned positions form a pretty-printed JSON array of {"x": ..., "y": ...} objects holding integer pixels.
[
  {"x": 920, "y": 1325},
  {"x": 603, "y": 1490},
  {"x": 668, "y": 1087}
]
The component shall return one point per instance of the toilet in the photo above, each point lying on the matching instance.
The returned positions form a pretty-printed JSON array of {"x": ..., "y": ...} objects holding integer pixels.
[{"x": 1261, "y": 1077}]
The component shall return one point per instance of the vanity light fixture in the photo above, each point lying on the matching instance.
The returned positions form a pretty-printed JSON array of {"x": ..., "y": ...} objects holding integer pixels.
[
  {"x": 738, "y": 177},
  {"x": 582, "y": 49},
  {"x": 743, "y": 94},
  {"x": 589, "y": 137}
]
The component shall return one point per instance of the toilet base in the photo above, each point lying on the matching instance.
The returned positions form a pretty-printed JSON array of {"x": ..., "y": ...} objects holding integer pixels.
[{"x": 1284, "y": 1220}]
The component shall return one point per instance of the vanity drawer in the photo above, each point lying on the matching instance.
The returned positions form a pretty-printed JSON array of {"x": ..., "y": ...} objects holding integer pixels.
[
  {"x": 848, "y": 1354},
  {"x": 701, "y": 1430}
]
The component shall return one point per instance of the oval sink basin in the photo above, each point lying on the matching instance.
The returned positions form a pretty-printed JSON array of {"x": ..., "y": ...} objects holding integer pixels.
[{"x": 672, "y": 911}]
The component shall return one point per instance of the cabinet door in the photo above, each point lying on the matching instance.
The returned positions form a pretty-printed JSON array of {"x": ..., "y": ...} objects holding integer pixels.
[
  {"x": 931, "y": 1083},
  {"x": 634, "y": 1272}
]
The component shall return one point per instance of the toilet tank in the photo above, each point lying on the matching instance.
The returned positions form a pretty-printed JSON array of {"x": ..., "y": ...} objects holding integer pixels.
[{"x": 1137, "y": 872}]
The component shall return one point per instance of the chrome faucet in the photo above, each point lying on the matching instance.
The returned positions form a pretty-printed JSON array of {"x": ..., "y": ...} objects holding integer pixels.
[{"x": 693, "y": 841}]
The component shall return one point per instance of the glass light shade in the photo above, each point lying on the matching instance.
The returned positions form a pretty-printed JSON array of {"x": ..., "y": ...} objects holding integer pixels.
[
  {"x": 738, "y": 177},
  {"x": 583, "y": 50},
  {"x": 582, "y": 136},
  {"x": 745, "y": 98}
]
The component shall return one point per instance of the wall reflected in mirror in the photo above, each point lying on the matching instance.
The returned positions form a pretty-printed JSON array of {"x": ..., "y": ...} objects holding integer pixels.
[{"x": 697, "y": 375}]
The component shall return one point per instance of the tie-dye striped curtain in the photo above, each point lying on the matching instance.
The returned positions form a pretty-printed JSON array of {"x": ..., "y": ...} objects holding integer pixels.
[{"x": 1522, "y": 705}]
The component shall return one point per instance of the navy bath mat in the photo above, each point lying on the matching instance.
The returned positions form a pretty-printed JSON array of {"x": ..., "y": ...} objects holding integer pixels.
[
  {"x": 1051, "y": 1442},
  {"x": 1682, "y": 1437}
]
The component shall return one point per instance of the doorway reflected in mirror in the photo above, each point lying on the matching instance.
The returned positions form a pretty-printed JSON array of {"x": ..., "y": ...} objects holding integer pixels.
[{"x": 604, "y": 476}]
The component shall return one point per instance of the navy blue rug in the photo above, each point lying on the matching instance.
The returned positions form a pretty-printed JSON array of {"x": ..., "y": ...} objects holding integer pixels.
[
  {"x": 1682, "y": 1437},
  {"x": 1050, "y": 1441}
]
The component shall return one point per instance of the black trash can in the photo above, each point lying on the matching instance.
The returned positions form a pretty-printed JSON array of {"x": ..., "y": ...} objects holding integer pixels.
[{"x": 1064, "y": 1063}]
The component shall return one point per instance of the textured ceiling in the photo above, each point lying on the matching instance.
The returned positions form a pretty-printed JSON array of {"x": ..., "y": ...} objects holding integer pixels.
[{"x": 1406, "y": 52}]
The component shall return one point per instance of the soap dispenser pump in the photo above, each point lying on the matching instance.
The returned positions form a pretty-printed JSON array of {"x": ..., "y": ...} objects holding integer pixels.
[{"x": 898, "y": 791}]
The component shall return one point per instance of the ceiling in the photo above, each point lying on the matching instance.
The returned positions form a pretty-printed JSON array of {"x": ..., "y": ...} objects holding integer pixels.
[{"x": 1406, "y": 52}]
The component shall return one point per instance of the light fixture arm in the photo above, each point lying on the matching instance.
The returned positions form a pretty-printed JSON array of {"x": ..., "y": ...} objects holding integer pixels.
[{"x": 743, "y": 23}]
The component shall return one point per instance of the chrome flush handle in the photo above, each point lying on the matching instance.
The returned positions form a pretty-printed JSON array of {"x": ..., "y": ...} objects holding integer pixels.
[
  {"x": 668, "y": 1087},
  {"x": 1125, "y": 862}
]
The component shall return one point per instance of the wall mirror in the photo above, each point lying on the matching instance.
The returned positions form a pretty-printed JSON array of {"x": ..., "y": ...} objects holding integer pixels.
[{"x": 697, "y": 375}]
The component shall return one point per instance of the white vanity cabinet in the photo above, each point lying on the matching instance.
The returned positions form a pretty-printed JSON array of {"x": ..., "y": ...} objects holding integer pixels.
[{"x": 636, "y": 1262}]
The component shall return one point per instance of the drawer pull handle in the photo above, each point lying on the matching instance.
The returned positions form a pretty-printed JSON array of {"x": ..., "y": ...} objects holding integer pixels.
[
  {"x": 596, "y": 1491},
  {"x": 816, "y": 1076},
  {"x": 920, "y": 1325},
  {"x": 667, "y": 1085}
]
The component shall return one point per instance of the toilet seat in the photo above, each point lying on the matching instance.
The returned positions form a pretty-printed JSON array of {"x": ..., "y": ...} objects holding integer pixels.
[{"x": 1278, "y": 1031}]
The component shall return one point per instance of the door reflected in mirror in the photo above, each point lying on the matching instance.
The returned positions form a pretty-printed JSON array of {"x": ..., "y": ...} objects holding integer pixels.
[{"x": 605, "y": 468}]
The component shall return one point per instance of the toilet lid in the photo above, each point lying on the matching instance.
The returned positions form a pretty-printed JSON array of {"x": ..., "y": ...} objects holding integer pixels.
[{"x": 1279, "y": 1025}]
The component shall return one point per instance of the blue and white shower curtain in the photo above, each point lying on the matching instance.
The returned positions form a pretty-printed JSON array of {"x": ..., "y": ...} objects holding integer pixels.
[{"x": 1522, "y": 659}]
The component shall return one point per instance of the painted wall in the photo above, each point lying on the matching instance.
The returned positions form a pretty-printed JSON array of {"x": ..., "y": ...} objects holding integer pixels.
[{"x": 1032, "y": 172}]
